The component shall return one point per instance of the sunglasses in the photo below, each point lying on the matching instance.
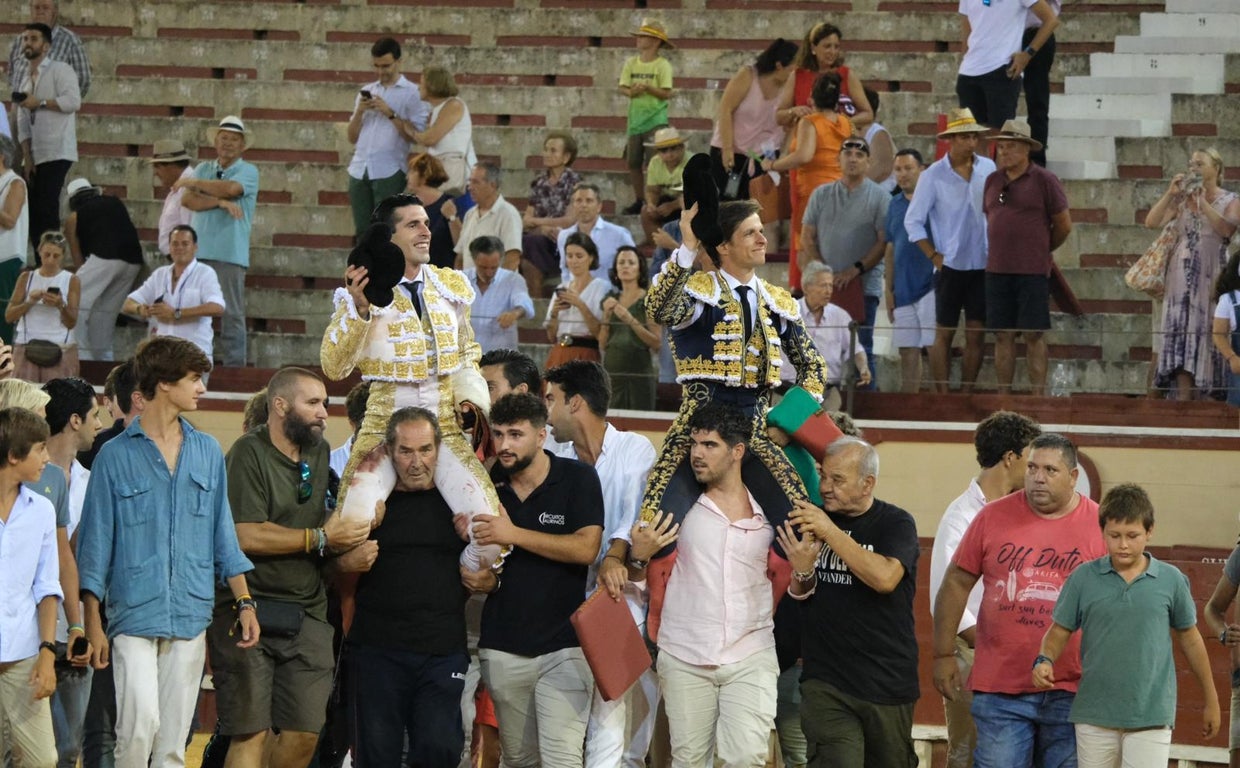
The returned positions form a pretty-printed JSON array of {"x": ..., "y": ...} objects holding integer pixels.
[
  {"x": 305, "y": 489},
  {"x": 1003, "y": 195},
  {"x": 857, "y": 145},
  {"x": 53, "y": 237}
]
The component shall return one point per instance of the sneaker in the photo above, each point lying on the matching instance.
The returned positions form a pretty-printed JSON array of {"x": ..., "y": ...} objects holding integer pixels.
[{"x": 633, "y": 209}]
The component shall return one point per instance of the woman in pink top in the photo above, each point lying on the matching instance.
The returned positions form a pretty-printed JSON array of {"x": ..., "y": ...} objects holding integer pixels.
[{"x": 746, "y": 122}]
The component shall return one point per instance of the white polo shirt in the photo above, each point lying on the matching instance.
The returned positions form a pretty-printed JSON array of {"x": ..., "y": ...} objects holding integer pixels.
[{"x": 198, "y": 285}]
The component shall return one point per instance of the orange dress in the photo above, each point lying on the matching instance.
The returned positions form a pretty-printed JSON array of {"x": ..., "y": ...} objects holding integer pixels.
[{"x": 822, "y": 168}]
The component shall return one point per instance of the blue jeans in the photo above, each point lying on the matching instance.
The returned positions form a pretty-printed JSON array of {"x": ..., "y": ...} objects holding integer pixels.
[
  {"x": 1024, "y": 730},
  {"x": 69, "y": 712},
  {"x": 865, "y": 336}
]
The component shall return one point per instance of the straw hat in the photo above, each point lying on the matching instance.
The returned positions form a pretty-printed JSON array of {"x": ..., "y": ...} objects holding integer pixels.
[
  {"x": 962, "y": 121},
  {"x": 652, "y": 28},
  {"x": 666, "y": 137},
  {"x": 230, "y": 123},
  {"x": 169, "y": 151},
  {"x": 1017, "y": 130}
]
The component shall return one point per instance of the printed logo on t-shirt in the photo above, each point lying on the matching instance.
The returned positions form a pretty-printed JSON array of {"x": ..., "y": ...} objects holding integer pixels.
[
  {"x": 1033, "y": 582},
  {"x": 546, "y": 518},
  {"x": 833, "y": 570}
]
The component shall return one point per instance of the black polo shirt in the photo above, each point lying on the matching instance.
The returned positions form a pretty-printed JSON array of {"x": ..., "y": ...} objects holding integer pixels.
[{"x": 529, "y": 614}]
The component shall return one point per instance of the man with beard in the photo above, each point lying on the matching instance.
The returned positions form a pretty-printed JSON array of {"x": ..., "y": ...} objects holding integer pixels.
[{"x": 277, "y": 486}]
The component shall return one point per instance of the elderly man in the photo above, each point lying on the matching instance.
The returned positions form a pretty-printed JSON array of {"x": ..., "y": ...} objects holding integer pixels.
[
  {"x": 66, "y": 46},
  {"x": 845, "y": 227},
  {"x": 492, "y": 215},
  {"x": 223, "y": 193},
  {"x": 181, "y": 298},
  {"x": 828, "y": 325},
  {"x": 50, "y": 97},
  {"x": 587, "y": 209},
  {"x": 1021, "y": 548},
  {"x": 946, "y": 222},
  {"x": 1027, "y": 218},
  {"x": 501, "y": 296},
  {"x": 169, "y": 164},
  {"x": 380, "y": 110},
  {"x": 859, "y": 569}
]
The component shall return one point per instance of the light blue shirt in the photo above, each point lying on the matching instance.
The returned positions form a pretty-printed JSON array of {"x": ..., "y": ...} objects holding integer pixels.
[
  {"x": 949, "y": 206},
  {"x": 220, "y": 236},
  {"x": 381, "y": 150},
  {"x": 506, "y": 292},
  {"x": 607, "y": 236},
  {"x": 154, "y": 543},
  {"x": 31, "y": 572}
]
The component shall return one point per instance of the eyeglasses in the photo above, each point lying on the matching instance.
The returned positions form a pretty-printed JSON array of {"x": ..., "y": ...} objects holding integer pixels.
[{"x": 305, "y": 489}]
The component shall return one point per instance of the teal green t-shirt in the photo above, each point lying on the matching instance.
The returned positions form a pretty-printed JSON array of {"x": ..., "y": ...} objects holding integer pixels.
[{"x": 1127, "y": 669}]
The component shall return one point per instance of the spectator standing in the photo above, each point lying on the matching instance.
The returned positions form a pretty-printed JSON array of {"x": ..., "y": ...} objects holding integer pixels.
[
  {"x": 552, "y": 515},
  {"x": 223, "y": 194},
  {"x": 646, "y": 81},
  {"x": 577, "y": 398},
  {"x": 277, "y": 490},
  {"x": 845, "y": 227},
  {"x": 574, "y": 316},
  {"x": 450, "y": 135},
  {"x": 945, "y": 220},
  {"x": 29, "y": 594},
  {"x": 169, "y": 164},
  {"x": 994, "y": 56},
  {"x": 51, "y": 91},
  {"x": 1027, "y": 218},
  {"x": 858, "y": 687},
  {"x": 1206, "y": 217},
  {"x": 828, "y": 325},
  {"x": 814, "y": 158},
  {"x": 745, "y": 126},
  {"x": 1228, "y": 635},
  {"x": 821, "y": 53},
  {"x": 882, "y": 149},
  {"x": 105, "y": 246},
  {"x": 1022, "y": 548},
  {"x": 501, "y": 300},
  {"x": 509, "y": 371},
  {"x": 664, "y": 178},
  {"x": 14, "y": 226},
  {"x": 1002, "y": 445},
  {"x": 607, "y": 237},
  {"x": 123, "y": 402},
  {"x": 627, "y": 337},
  {"x": 1226, "y": 321},
  {"x": 383, "y": 112},
  {"x": 548, "y": 210},
  {"x": 1036, "y": 79},
  {"x": 909, "y": 277},
  {"x": 66, "y": 46},
  {"x": 355, "y": 411},
  {"x": 45, "y": 307},
  {"x": 425, "y": 178},
  {"x": 492, "y": 215},
  {"x": 1125, "y": 708},
  {"x": 406, "y": 652},
  {"x": 156, "y": 624},
  {"x": 181, "y": 298}
]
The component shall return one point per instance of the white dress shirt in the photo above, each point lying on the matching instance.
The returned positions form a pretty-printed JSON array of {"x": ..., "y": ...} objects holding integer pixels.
[
  {"x": 381, "y": 150},
  {"x": 31, "y": 572},
  {"x": 952, "y": 526},
  {"x": 53, "y": 133},
  {"x": 607, "y": 237},
  {"x": 506, "y": 292},
  {"x": 831, "y": 337},
  {"x": 198, "y": 285}
]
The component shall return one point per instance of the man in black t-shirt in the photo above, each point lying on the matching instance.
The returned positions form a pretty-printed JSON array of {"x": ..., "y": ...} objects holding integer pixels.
[
  {"x": 860, "y": 653},
  {"x": 551, "y": 513},
  {"x": 406, "y": 654}
]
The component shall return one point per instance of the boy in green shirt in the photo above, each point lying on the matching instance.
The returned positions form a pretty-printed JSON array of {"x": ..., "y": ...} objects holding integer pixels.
[
  {"x": 1124, "y": 605},
  {"x": 647, "y": 81}
]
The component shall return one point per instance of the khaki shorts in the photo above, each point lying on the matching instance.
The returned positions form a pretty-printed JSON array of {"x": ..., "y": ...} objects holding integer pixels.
[{"x": 635, "y": 152}]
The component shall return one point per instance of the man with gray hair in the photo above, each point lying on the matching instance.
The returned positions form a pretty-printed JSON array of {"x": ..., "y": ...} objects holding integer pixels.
[
  {"x": 828, "y": 325},
  {"x": 855, "y": 563},
  {"x": 66, "y": 46},
  {"x": 493, "y": 215}
]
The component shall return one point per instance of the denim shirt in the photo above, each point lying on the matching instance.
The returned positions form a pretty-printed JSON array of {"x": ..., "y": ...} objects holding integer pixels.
[{"x": 152, "y": 543}]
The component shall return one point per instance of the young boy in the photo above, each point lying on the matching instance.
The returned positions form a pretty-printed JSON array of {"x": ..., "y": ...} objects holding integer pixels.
[
  {"x": 1124, "y": 604},
  {"x": 29, "y": 593},
  {"x": 647, "y": 81}
]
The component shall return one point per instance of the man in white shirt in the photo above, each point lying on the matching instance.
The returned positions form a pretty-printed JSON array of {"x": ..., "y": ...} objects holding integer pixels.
[
  {"x": 380, "y": 109},
  {"x": 501, "y": 297},
  {"x": 586, "y": 206},
  {"x": 46, "y": 126},
  {"x": 493, "y": 215},
  {"x": 946, "y": 222},
  {"x": 577, "y": 395},
  {"x": 990, "y": 69},
  {"x": 181, "y": 298},
  {"x": 827, "y": 324},
  {"x": 66, "y": 46},
  {"x": 1002, "y": 443},
  {"x": 169, "y": 162}
]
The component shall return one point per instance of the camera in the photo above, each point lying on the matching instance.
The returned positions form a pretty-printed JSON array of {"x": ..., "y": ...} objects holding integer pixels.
[{"x": 1192, "y": 183}]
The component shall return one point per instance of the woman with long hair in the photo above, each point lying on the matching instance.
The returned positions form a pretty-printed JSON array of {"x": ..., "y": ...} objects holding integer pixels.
[
  {"x": 627, "y": 336},
  {"x": 449, "y": 136},
  {"x": 1227, "y": 324},
  {"x": 821, "y": 52},
  {"x": 44, "y": 306},
  {"x": 573, "y": 317}
]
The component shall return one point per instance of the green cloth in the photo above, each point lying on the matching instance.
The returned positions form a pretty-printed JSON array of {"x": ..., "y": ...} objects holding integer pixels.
[
  {"x": 807, "y": 469},
  {"x": 1127, "y": 669},
  {"x": 628, "y": 361},
  {"x": 263, "y": 487},
  {"x": 646, "y": 112}
]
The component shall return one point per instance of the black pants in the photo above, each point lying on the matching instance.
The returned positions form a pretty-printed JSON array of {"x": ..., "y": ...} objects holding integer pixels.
[
  {"x": 1038, "y": 92},
  {"x": 49, "y": 179},
  {"x": 991, "y": 97}
]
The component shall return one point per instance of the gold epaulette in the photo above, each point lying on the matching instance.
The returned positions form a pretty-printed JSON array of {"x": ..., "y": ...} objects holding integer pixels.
[
  {"x": 704, "y": 287},
  {"x": 452, "y": 284},
  {"x": 781, "y": 301}
]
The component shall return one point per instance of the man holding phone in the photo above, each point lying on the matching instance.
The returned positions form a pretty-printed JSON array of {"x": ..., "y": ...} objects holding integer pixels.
[{"x": 377, "y": 169}]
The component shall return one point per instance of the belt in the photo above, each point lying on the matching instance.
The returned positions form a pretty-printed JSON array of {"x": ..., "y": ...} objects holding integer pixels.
[{"x": 588, "y": 342}]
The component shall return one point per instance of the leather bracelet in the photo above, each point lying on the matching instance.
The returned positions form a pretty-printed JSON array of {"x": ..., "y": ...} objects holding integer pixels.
[
  {"x": 1043, "y": 658},
  {"x": 860, "y": 267},
  {"x": 48, "y": 646}
]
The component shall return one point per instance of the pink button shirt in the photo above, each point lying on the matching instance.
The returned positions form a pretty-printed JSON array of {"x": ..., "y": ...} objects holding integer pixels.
[{"x": 718, "y": 608}]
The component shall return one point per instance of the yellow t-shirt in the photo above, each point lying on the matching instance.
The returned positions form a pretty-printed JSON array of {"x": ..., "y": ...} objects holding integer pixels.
[{"x": 646, "y": 112}]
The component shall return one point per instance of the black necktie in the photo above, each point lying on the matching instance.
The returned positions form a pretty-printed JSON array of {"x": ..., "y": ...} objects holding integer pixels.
[
  {"x": 415, "y": 294},
  {"x": 746, "y": 310}
]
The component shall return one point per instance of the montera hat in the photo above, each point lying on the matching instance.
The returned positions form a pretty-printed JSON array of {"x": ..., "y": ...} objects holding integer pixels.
[{"x": 962, "y": 121}]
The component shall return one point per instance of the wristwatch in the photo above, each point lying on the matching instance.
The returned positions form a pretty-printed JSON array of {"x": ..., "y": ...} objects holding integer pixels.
[
  {"x": 176, "y": 314},
  {"x": 48, "y": 646},
  {"x": 43, "y": 104}
]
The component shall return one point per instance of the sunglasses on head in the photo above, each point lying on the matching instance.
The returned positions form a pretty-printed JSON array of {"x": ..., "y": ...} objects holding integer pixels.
[{"x": 305, "y": 489}]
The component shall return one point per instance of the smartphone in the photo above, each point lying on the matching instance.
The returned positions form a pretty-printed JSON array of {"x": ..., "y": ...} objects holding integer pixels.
[
  {"x": 19, "y": 97},
  {"x": 80, "y": 646},
  {"x": 53, "y": 289},
  {"x": 560, "y": 289},
  {"x": 365, "y": 94}
]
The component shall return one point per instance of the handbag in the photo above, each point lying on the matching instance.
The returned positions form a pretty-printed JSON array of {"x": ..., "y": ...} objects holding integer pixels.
[
  {"x": 279, "y": 618},
  {"x": 764, "y": 191},
  {"x": 43, "y": 353},
  {"x": 1147, "y": 274}
]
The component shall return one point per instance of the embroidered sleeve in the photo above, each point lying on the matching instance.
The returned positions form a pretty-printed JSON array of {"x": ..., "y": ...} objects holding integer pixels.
[
  {"x": 344, "y": 338},
  {"x": 667, "y": 303},
  {"x": 800, "y": 350}
]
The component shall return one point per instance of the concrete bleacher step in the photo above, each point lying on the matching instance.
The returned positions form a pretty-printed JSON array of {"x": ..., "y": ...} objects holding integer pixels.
[
  {"x": 1200, "y": 6},
  {"x": 1195, "y": 26},
  {"x": 1093, "y": 84},
  {"x": 1195, "y": 45},
  {"x": 1158, "y": 64}
]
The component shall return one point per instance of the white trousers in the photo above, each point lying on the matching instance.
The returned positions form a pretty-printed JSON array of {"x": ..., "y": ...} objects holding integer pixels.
[
  {"x": 1110, "y": 748},
  {"x": 157, "y": 683},
  {"x": 619, "y": 731}
]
